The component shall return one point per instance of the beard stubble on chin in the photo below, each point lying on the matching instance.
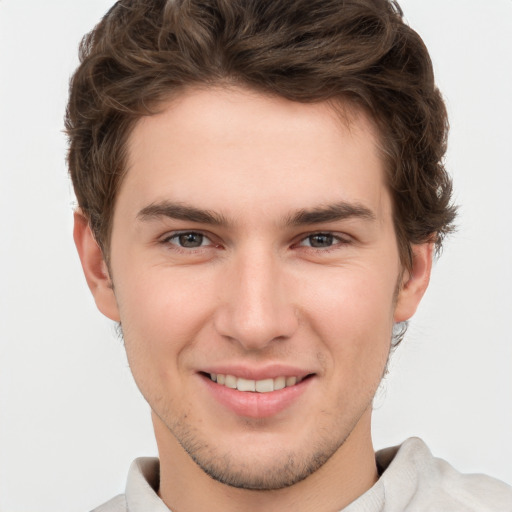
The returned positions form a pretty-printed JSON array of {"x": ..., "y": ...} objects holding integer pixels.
[{"x": 278, "y": 470}]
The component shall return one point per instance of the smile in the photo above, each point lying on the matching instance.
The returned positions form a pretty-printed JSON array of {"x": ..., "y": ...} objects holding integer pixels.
[
  {"x": 257, "y": 386},
  {"x": 258, "y": 398}
]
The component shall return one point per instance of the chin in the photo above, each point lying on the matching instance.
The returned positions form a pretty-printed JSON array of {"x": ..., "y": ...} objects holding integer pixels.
[{"x": 261, "y": 468}]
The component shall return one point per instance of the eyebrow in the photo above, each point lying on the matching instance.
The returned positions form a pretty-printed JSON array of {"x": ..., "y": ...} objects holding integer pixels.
[
  {"x": 181, "y": 212},
  {"x": 331, "y": 213}
]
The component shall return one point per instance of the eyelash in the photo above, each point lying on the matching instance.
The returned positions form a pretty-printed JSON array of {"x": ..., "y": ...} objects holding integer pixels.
[{"x": 337, "y": 241}]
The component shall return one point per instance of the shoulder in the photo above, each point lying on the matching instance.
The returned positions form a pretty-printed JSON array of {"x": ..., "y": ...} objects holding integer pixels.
[
  {"x": 117, "y": 504},
  {"x": 429, "y": 483},
  {"x": 141, "y": 489}
]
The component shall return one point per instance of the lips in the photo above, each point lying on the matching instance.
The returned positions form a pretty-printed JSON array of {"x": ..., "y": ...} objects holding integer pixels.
[{"x": 257, "y": 394}]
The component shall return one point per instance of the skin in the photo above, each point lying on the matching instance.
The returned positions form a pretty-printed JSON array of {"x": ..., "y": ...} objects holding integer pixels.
[{"x": 271, "y": 285}]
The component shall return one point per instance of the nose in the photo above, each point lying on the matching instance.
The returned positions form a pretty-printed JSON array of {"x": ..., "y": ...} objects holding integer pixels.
[{"x": 255, "y": 308}]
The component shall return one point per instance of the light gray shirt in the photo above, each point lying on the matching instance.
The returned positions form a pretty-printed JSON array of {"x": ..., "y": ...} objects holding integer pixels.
[{"x": 411, "y": 480}]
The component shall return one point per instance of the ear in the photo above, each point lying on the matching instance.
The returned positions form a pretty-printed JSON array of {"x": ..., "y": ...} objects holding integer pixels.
[
  {"x": 414, "y": 282},
  {"x": 95, "y": 268}
]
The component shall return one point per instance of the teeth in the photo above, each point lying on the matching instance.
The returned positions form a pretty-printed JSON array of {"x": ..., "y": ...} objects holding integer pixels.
[
  {"x": 230, "y": 382},
  {"x": 279, "y": 383},
  {"x": 259, "y": 386},
  {"x": 291, "y": 381},
  {"x": 265, "y": 386},
  {"x": 245, "y": 385}
]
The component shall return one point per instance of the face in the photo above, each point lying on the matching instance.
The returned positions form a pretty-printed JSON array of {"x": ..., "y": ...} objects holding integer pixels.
[{"x": 257, "y": 278}]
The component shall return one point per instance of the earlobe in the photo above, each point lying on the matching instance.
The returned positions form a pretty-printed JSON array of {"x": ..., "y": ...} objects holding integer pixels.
[
  {"x": 94, "y": 267},
  {"x": 415, "y": 282}
]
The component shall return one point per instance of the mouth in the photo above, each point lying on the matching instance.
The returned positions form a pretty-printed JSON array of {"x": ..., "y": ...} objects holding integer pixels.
[
  {"x": 275, "y": 391},
  {"x": 255, "y": 386}
]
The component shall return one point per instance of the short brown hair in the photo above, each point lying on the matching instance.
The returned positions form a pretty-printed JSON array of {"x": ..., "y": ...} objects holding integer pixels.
[{"x": 144, "y": 51}]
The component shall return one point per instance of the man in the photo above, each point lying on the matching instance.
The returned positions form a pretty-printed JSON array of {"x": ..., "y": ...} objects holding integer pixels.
[{"x": 261, "y": 189}]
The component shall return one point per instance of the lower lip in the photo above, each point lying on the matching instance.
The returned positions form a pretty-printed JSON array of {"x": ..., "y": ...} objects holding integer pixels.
[{"x": 253, "y": 404}]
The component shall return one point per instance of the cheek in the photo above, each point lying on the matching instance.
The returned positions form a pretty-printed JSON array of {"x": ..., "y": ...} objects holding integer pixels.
[
  {"x": 355, "y": 298},
  {"x": 164, "y": 301},
  {"x": 354, "y": 318},
  {"x": 161, "y": 316}
]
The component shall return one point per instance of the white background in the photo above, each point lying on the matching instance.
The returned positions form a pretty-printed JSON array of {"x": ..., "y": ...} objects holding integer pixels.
[{"x": 71, "y": 420}]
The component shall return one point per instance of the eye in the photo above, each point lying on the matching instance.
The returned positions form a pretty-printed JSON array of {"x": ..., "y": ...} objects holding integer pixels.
[
  {"x": 188, "y": 240},
  {"x": 322, "y": 241}
]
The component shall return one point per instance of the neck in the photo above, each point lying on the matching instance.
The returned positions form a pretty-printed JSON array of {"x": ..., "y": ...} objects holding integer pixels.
[{"x": 348, "y": 474}]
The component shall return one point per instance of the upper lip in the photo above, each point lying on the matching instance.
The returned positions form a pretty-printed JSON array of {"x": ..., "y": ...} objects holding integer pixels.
[{"x": 258, "y": 373}]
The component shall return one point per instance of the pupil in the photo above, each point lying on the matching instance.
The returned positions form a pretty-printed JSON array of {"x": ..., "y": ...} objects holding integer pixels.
[
  {"x": 321, "y": 240},
  {"x": 191, "y": 240}
]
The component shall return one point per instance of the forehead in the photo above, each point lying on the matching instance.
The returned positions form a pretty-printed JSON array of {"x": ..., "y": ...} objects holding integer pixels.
[{"x": 233, "y": 149}]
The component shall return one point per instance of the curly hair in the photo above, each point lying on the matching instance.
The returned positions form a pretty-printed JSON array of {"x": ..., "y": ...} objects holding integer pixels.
[{"x": 144, "y": 52}]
